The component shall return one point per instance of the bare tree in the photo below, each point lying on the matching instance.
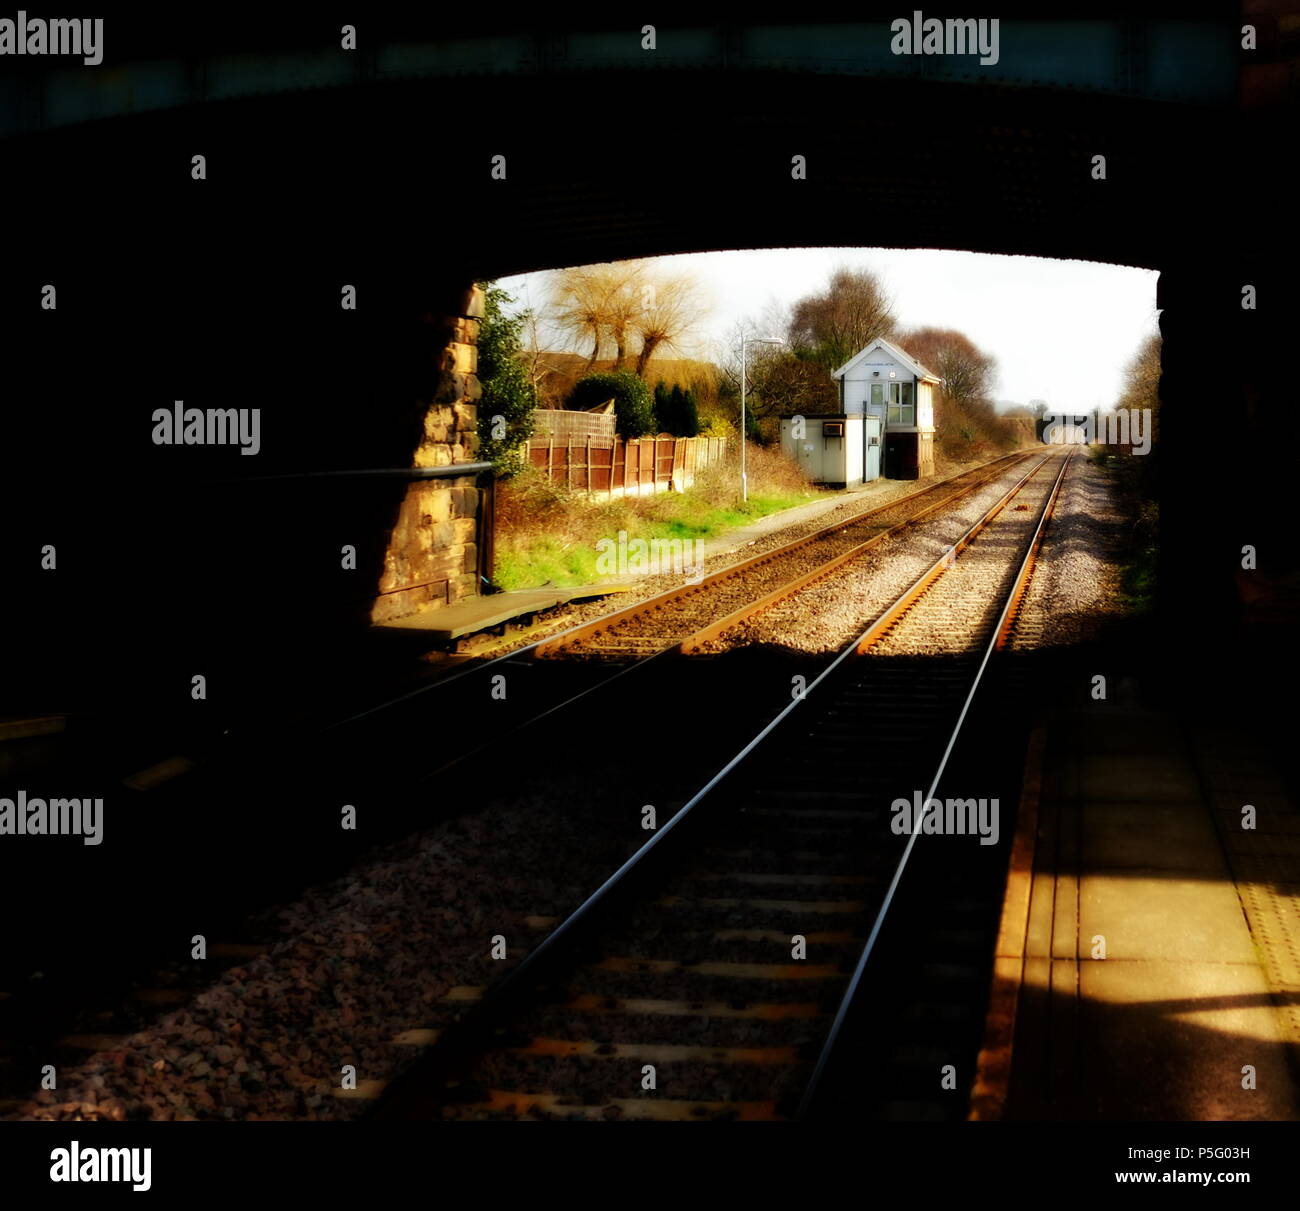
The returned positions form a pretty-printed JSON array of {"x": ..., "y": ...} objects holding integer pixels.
[
  {"x": 968, "y": 374},
  {"x": 671, "y": 305},
  {"x": 778, "y": 379},
  {"x": 532, "y": 341},
  {"x": 624, "y": 304},
  {"x": 787, "y": 382},
  {"x": 829, "y": 328},
  {"x": 585, "y": 302},
  {"x": 773, "y": 320},
  {"x": 1142, "y": 377}
]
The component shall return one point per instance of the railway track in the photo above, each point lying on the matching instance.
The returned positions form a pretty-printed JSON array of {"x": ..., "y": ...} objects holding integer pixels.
[
  {"x": 687, "y": 619},
  {"x": 712, "y": 975},
  {"x": 108, "y": 1014},
  {"x": 599, "y": 636}
]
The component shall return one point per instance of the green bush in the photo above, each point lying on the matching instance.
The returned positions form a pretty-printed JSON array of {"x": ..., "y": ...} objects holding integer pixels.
[
  {"x": 685, "y": 415},
  {"x": 505, "y": 408},
  {"x": 663, "y": 405},
  {"x": 632, "y": 402},
  {"x": 690, "y": 422},
  {"x": 676, "y": 411}
]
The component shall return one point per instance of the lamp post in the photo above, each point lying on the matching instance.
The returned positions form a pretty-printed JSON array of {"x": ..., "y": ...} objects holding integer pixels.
[{"x": 744, "y": 343}]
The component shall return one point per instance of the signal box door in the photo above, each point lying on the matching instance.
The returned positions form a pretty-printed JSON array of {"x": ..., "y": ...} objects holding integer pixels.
[{"x": 872, "y": 436}]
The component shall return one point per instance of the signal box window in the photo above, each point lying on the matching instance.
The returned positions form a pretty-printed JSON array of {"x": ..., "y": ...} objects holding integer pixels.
[{"x": 902, "y": 403}]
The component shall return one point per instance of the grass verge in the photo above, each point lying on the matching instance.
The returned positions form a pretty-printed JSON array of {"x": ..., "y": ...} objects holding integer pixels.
[{"x": 548, "y": 535}]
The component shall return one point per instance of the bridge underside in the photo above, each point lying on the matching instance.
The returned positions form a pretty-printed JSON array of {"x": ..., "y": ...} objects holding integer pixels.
[
  {"x": 226, "y": 292},
  {"x": 600, "y": 172}
]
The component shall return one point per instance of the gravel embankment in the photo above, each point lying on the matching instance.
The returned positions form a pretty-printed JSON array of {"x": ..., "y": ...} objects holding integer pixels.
[
  {"x": 359, "y": 961},
  {"x": 1075, "y": 587}
]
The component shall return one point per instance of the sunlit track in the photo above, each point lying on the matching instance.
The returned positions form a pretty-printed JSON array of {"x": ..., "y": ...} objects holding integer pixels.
[
  {"x": 684, "y": 618},
  {"x": 992, "y": 636},
  {"x": 726, "y": 952},
  {"x": 372, "y": 736},
  {"x": 965, "y": 482},
  {"x": 600, "y": 654}
]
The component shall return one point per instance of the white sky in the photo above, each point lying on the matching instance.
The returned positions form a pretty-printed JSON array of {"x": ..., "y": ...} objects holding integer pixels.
[{"x": 1061, "y": 331}]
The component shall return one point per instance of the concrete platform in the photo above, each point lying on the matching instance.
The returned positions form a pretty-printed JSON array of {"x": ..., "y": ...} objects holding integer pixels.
[
  {"x": 1149, "y": 963},
  {"x": 480, "y": 613}
]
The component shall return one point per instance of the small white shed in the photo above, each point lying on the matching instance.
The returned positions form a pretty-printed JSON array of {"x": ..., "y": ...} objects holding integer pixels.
[{"x": 830, "y": 449}]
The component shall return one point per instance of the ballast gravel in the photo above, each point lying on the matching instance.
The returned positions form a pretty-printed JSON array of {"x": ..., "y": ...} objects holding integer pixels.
[
  {"x": 391, "y": 948},
  {"x": 826, "y": 615},
  {"x": 360, "y": 961},
  {"x": 1075, "y": 589}
]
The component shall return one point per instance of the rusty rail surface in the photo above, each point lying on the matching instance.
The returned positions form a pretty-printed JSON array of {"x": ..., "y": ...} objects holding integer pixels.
[
  {"x": 872, "y": 635},
  {"x": 607, "y": 622}
]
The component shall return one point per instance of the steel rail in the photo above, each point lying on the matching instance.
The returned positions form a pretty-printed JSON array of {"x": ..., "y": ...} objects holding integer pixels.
[
  {"x": 598, "y": 625},
  {"x": 564, "y": 638},
  {"x": 821, "y": 572},
  {"x": 696, "y": 640},
  {"x": 519, "y": 978},
  {"x": 855, "y": 981},
  {"x": 1021, "y": 585}
]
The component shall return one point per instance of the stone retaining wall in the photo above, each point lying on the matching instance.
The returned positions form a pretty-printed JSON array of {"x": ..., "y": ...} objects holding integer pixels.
[{"x": 432, "y": 555}]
